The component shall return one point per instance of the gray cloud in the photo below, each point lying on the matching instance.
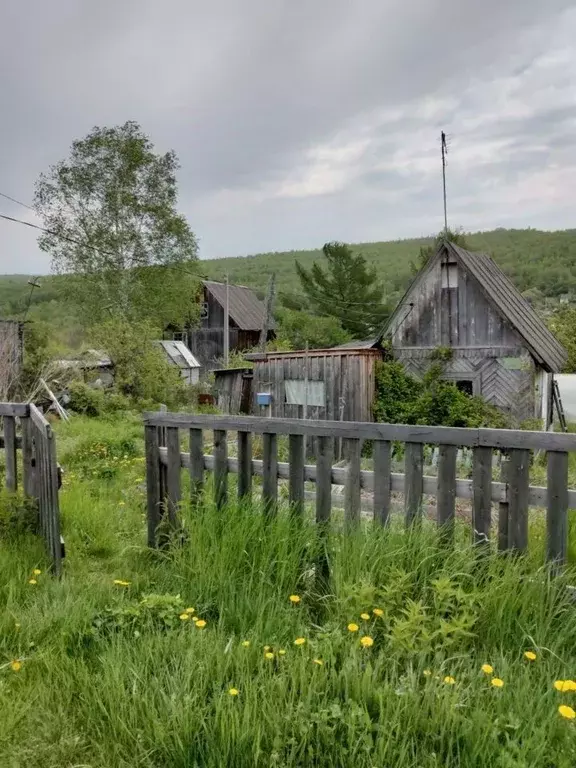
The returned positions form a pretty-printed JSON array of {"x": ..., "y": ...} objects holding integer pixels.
[{"x": 301, "y": 122}]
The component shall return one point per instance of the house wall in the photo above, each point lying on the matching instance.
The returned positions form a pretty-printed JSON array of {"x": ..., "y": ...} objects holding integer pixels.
[{"x": 448, "y": 309}]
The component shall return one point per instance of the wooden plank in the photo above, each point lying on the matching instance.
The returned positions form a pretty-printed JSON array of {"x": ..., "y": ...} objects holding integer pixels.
[
  {"x": 244, "y": 465},
  {"x": 296, "y": 474},
  {"x": 446, "y": 489},
  {"x": 173, "y": 484},
  {"x": 504, "y": 509},
  {"x": 27, "y": 457},
  {"x": 54, "y": 508},
  {"x": 220, "y": 468},
  {"x": 518, "y": 485},
  {"x": 196, "y": 466},
  {"x": 381, "y": 475},
  {"x": 270, "y": 473},
  {"x": 352, "y": 493},
  {"x": 413, "y": 465},
  {"x": 154, "y": 498},
  {"x": 482, "y": 501},
  {"x": 557, "y": 513},
  {"x": 10, "y": 451},
  {"x": 14, "y": 409},
  {"x": 38, "y": 419},
  {"x": 323, "y": 479},
  {"x": 18, "y": 440}
]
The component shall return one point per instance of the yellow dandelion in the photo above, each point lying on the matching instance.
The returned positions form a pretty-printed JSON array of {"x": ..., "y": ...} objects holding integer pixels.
[
  {"x": 567, "y": 712},
  {"x": 353, "y": 627},
  {"x": 189, "y": 610},
  {"x": 184, "y": 617},
  {"x": 246, "y": 643},
  {"x": 365, "y": 616},
  {"x": 565, "y": 685},
  {"x": 366, "y": 641},
  {"x": 32, "y": 581},
  {"x": 294, "y": 599},
  {"x": 195, "y": 619},
  {"x": 378, "y": 612},
  {"x": 497, "y": 682},
  {"x": 530, "y": 655},
  {"x": 449, "y": 680},
  {"x": 15, "y": 665},
  {"x": 200, "y": 623},
  {"x": 266, "y": 647},
  {"x": 319, "y": 662},
  {"x": 269, "y": 655},
  {"x": 121, "y": 583},
  {"x": 427, "y": 673},
  {"x": 300, "y": 641},
  {"x": 17, "y": 626},
  {"x": 281, "y": 652},
  {"x": 233, "y": 691},
  {"x": 487, "y": 669},
  {"x": 36, "y": 571}
]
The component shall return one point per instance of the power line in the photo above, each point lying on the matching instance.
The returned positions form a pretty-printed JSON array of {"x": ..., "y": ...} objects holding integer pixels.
[{"x": 18, "y": 202}]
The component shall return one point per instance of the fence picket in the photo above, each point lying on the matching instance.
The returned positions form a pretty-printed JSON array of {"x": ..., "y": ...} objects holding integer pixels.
[
  {"x": 196, "y": 465},
  {"x": 324, "y": 448},
  {"x": 352, "y": 490},
  {"x": 382, "y": 467},
  {"x": 446, "y": 490},
  {"x": 220, "y": 468},
  {"x": 270, "y": 473},
  {"x": 244, "y": 465},
  {"x": 10, "y": 451},
  {"x": 482, "y": 500},
  {"x": 153, "y": 496},
  {"x": 173, "y": 484},
  {"x": 27, "y": 457},
  {"x": 518, "y": 485},
  {"x": 413, "y": 469},
  {"x": 296, "y": 480},
  {"x": 504, "y": 509},
  {"x": 557, "y": 514}
]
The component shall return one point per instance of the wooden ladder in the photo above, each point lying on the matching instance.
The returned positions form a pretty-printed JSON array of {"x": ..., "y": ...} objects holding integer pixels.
[{"x": 557, "y": 402}]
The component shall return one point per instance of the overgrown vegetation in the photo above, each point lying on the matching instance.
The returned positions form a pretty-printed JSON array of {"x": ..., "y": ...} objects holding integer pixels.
[
  {"x": 402, "y": 399},
  {"x": 110, "y": 668}
]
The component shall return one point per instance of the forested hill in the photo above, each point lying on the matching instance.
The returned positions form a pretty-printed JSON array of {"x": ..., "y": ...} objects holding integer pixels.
[{"x": 541, "y": 264}]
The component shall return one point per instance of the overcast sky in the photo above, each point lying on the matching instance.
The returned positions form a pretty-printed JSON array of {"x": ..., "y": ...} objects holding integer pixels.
[{"x": 301, "y": 121}]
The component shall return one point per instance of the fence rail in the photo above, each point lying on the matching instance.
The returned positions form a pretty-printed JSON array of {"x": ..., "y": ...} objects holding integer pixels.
[
  {"x": 37, "y": 445},
  {"x": 512, "y": 492}
]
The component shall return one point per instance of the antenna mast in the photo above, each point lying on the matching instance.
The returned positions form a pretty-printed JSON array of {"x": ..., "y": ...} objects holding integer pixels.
[{"x": 444, "y": 153}]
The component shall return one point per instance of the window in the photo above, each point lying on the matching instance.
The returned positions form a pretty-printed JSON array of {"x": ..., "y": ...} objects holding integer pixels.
[
  {"x": 295, "y": 392},
  {"x": 466, "y": 386}
]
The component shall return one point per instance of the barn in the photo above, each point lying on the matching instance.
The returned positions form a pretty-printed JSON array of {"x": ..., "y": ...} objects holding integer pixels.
[{"x": 462, "y": 307}]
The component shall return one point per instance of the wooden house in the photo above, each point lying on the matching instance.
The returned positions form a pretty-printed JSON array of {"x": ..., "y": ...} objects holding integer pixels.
[
  {"x": 463, "y": 308},
  {"x": 246, "y": 316}
]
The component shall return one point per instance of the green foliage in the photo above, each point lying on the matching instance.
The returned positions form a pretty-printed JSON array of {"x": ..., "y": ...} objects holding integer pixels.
[
  {"x": 298, "y": 328},
  {"x": 347, "y": 288},
  {"x": 18, "y": 515},
  {"x": 102, "y": 458},
  {"x": 91, "y": 401},
  {"x": 563, "y": 325},
  {"x": 426, "y": 252},
  {"x": 110, "y": 209},
  {"x": 402, "y": 399},
  {"x": 150, "y": 613},
  {"x": 442, "y": 354}
]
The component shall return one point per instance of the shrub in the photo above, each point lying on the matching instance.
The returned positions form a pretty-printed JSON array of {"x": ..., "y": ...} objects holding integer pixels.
[
  {"x": 95, "y": 402},
  {"x": 17, "y": 515}
]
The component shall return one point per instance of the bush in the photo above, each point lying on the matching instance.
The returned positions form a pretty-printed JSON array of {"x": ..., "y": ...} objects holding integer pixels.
[
  {"x": 95, "y": 402},
  {"x": 17, "y": 515}
]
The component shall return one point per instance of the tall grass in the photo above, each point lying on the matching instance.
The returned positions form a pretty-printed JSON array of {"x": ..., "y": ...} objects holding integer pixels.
[{"x": 111, "y": 676}]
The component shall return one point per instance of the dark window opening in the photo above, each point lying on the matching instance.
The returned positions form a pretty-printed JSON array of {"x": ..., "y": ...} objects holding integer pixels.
[{"x": 465, "y": 386}]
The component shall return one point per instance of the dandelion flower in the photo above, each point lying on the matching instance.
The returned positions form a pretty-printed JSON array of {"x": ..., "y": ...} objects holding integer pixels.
[
  {"x": 300, "y": 641},
  {"x": 366, "y": 641},
  {"x": 15, "y": 665},
  {"x": 269, "y": 655},
  {"x": 195, "y": 619},
  {"x": 427, "y": 673},
  {"x": 319, "y": 662},
  {"x": 449, "y": 680},
  {"x": 246, "y": 643},
  {"x": 487, "y": 669},
  {"x": 497, "y": 682},
  {"x": 121, "y": 583},
  {"x": 233, "y": 691},
  {"x": 353, "y": 627},
  {"x": 530, "y": 655},
  {"x": 184, "y": 617},
  {"x": 294, "y": 599},
  {"x": 17, "y": 626},
  {"x": 200, "y": 623},
  {"x": 281, "y": 652},
  {"x": 365, "y": 616},
  {"x": 266, "y": 647},
  {"x": 565, "y": 685},
  {"x": 189, "y": 610},
  {"x": 378, "y": 612},
  {"x": 36, "y": 571},
  {"x": 32, "y": 581},
  {"x": 567, "y": 712}
]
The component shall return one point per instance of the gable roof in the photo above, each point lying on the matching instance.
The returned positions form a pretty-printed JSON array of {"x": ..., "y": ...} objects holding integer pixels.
[
  {"x": 179, "y": 354},
  {"x": 245, "y": 308},
  {"x": 507, "y": 299}
]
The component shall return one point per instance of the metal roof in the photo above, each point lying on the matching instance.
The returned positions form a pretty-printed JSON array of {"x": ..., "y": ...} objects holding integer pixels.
[
  {"x": 245, "y": 308},
  {"x": 366, "y": 344},
  {"x": 179, "y": 354},
  {"x": 507, "y": 299}
]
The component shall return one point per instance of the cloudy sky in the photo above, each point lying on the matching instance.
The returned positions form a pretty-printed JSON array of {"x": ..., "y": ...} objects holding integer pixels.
[{"x": 301, "y": 121}]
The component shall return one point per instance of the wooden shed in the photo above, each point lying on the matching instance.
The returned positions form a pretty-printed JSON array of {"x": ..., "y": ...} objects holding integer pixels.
[{"x": 495, "y": 344}]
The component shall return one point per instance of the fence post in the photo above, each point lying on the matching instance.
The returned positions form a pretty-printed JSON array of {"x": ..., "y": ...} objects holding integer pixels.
[
  {"x": 196, "y": 466},
  {"x": 556, "y": 518},
  {"x": 296, "y": 482},
  {"x": 220, "y": 468},
  {"x": 244, "y": 465},
  {"x": 10, "y": 450},
  {"x": 482, "y": 495},
  {"x": 503, "y": 509},
  {"x": 270, "y": 473},
  {"x": 163, "y": 468},
  {"x": 518, "y": 485},
  {"x": 413, "y": 483},
  {"x": 27, "y": 457},
  {"x": 173, "y": 486},
  {"x": 153, "y": 494},
  {"x": 446, "y": 491},
  {"x": 352, "y": 490},
  {"x": 381, "y": 468}
]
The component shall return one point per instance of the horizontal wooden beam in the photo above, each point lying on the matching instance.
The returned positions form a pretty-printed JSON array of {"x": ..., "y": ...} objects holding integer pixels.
[
  {"x": 464, "y": 488},
  {"x": 462, "y": 437},
  {"x": 14, "y": 409}
]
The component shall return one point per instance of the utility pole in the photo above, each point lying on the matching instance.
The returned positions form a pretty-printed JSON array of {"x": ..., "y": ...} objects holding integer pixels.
[
  {"x": 444, "y": 153},
  {"x": 268, "y": 313},
  {"x": 227, "y": 324}
]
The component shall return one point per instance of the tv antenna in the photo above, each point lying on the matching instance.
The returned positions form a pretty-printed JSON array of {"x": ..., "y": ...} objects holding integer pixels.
[{"x": 444, "y": 145}]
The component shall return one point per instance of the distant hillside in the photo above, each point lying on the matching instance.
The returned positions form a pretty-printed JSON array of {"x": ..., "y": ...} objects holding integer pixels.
[{"x": 541, "y": 264}]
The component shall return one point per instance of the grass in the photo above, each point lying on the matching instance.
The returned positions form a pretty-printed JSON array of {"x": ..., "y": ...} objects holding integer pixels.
[{"x": 112, "y": 677}]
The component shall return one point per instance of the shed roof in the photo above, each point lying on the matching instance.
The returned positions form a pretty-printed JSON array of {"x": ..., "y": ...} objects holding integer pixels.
[
  {"x": 245, "y": 308},
  {"x": 179, "y": 354},
  {"x": 507, "y": 299},
  {"x": 365, "y": 344}
]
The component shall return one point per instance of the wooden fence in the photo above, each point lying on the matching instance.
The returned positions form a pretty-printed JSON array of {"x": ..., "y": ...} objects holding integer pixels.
[
  {"x": 37, "y": 445},
  {"x": 512, "y": 492}
]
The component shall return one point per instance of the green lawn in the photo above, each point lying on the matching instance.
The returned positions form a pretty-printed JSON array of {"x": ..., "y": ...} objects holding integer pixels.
[{"x": 114, "y": 675}]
